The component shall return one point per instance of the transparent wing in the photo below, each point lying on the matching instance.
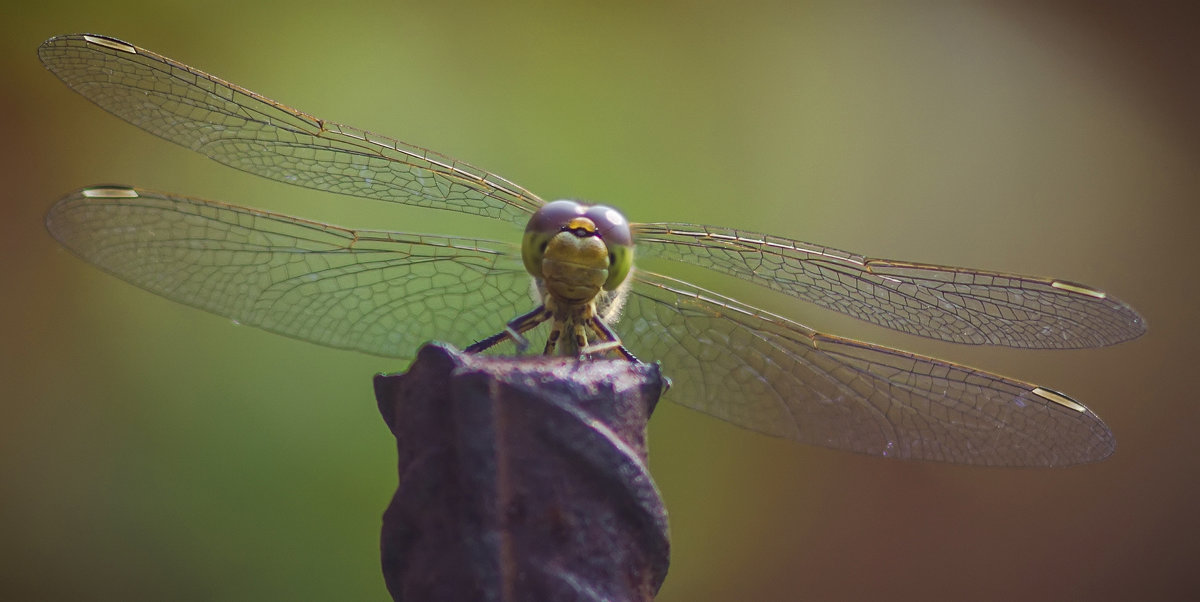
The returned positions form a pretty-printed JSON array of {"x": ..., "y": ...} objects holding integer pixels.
[
  {"x": 245, "y": 130},
  {"x": 378, "y": 292},
  {"x": 952, "y": 304},
  {"x": 768, "y": 374},
  {"x": 255, "y": 134}
]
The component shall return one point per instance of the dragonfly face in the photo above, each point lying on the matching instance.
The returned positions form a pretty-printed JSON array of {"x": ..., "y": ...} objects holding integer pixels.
[
  {"x": 578, "y": 249},
  {"x": 579, "y": 257},
  {"x": 386, "y": 292}
]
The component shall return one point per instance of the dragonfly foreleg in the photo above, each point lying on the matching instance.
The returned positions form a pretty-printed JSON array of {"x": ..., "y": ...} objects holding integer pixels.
[
  {"x": 514, "y": 330},
  {"x": 608, "y": 340},
  {"x": 552, "y": 340}
]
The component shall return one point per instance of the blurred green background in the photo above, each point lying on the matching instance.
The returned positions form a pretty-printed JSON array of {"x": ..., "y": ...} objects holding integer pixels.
[{"x": 149, "y": 451}]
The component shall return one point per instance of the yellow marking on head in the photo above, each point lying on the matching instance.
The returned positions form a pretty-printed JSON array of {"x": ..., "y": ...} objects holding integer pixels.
[{"x": 582, "y": 223}]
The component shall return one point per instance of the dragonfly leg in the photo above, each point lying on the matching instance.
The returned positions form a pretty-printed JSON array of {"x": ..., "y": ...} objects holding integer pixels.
[
  {"x": 608, "y": 341},
  {"x": 513, "y": 330},
  {"x": 579, "y": 333},
  {"x": 552, "y": 340}
]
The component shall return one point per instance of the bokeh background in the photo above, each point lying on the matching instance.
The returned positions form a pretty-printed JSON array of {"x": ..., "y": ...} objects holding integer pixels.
[{"x": 149, "y": 451}]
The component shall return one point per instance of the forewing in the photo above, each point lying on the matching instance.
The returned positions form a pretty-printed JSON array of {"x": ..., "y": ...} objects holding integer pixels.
[
  {"x": 378, "y": 292},
  {"x": 961, "y": 305},
  {"x": 768, "y": 374},
  {"x": 245, "y": 130}
]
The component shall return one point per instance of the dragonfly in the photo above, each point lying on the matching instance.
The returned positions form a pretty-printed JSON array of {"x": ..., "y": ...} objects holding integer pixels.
[{"x": 386, "y": 292}]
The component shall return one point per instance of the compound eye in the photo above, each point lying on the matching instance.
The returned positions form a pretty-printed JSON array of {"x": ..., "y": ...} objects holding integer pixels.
[
  {"x": 553, "y": 217},
  {"x": 620, "y": 262},
  {"x": 611, "y": 225},
  {"x": 544, "y": 225},
  {"x": 613, "y": 229}
]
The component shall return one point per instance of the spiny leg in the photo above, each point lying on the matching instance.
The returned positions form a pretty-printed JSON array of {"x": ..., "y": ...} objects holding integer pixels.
[
  {"x": 552, "y": 340},
  {"x": 614, "y": 342},
  {"x": 513, "y": 330},
  {"x": 579, "y": 332},
  {"x": 608, "y": 341}
]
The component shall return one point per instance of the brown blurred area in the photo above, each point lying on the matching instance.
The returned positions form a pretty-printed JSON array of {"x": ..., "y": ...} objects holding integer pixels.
[
  {"x": 1153, "y": 46},
  {"x": 150, "y": 451}
]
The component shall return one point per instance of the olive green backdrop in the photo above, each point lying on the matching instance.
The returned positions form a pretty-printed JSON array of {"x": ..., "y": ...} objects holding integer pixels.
[{"x": 149, "y": 451}]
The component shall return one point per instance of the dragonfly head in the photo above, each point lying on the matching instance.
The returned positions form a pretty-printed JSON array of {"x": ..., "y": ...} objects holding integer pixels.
[{"x": 577, "y": 248}]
